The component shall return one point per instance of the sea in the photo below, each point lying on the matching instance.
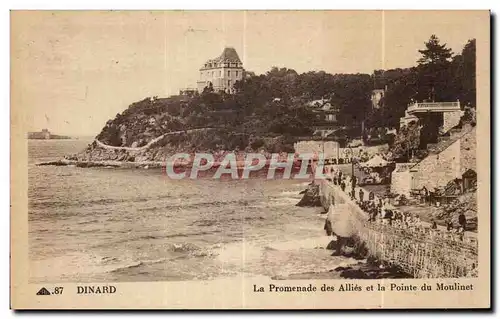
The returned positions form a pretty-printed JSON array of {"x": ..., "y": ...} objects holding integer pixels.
[{"x": 111, "y": 224}]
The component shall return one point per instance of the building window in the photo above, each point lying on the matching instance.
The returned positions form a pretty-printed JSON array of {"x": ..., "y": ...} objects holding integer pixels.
[
  {"x": 219, "y": 73},
  {"x": 229, "y": 83},
  {"x": 228, "y": 73},
  {"x": 236, "y": 73}
]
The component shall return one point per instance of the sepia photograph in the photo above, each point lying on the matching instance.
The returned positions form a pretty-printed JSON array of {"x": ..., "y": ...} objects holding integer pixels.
[{"x": 288, "y": 146}]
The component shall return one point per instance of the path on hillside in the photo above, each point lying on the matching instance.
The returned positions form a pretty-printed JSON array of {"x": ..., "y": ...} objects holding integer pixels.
[{"x": 150, "y": 143}]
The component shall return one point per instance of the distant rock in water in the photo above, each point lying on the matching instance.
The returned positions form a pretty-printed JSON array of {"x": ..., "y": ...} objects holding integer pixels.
[
  {"x": 311, "y": 197},
  {"x": 46, "y": 135}
]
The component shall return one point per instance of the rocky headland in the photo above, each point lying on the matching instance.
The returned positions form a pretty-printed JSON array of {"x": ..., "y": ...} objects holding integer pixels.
[{"x": 148, "y": 132}]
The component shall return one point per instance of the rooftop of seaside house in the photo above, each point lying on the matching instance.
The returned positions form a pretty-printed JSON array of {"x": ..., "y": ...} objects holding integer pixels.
[{"x": 229, "y": 55}]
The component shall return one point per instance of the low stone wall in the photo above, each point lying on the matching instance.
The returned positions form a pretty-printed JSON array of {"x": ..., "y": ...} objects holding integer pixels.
[
  {"x": 451, "y": 119},
  {"x": 420, "y": 254},
  {"x": 401, "y": 179},
  {"x": 331, "y": 149},
  {"x": 436, "y": 170}
]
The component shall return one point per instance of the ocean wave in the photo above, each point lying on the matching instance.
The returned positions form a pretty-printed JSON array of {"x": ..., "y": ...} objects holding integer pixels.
[
  {"x": 85, "y": 222},
  {"x": 283, "y": 201},
  {"x": 205, "y": 204},
  {"x": 83, "y": 203},
  {"x": 120, "y": 218},
  {"x": 150, "y": 209},
  {"x": 304, "y": 184},
  {"x": 290, "y": 193},
  {"x": 136, "y": 264},
  {"x": 307, "y": 243},
  {"x": 190, "y": 249},
  {"x": 221, "y": 220},
  {"x": 185, "y": 247},
  {"x": 50, "y": 202},
  {"x": 153, "y": 237}
]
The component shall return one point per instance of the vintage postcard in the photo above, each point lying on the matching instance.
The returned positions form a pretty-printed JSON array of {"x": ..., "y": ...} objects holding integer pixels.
[{"x": 250, "y": 159}]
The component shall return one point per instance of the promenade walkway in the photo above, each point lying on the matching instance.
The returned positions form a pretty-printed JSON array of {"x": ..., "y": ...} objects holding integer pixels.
[
  {"x": 418, "y": 250},
  {"x": 414, "y": 210}
]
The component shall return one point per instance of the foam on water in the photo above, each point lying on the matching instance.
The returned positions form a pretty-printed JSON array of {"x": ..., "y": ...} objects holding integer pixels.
[
  {"x": 76, "y": 264},
  {"x": 282, "y": 258},
  {"x": 293, "y": 193}
]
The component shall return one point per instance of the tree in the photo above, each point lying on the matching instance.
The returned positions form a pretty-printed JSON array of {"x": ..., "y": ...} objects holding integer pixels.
[
  {"x": 466, "y": 73},
  {"x": 406, "y": 142},
  {"x": 434, "y": 77},
  {"x": 434, "y": 52},
  {"x": 209, "y": 88}
]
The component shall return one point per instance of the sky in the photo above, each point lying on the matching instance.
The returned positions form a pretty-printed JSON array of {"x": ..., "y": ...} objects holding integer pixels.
[{"x": 71, "y": 71}]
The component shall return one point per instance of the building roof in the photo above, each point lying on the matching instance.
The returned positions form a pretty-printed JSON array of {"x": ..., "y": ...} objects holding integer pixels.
[
  {"x": 376, "y": 161},
  {"x": 228, "y": 55}
]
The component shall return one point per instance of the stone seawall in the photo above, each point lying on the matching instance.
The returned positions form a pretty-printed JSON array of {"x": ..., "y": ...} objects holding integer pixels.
[{"x": 420, "y": 254}]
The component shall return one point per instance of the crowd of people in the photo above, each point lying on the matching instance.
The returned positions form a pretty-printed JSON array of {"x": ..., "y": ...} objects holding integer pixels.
[{"x": 382, "y": 214}]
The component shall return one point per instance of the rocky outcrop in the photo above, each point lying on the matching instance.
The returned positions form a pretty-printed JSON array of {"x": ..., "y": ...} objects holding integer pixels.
[
  {"x": 106, "y": 164},
  {"x": 311, "y": 197}
]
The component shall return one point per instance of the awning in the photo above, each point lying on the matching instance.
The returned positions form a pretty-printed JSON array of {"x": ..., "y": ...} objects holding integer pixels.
[{"x": 376, "y": 161}]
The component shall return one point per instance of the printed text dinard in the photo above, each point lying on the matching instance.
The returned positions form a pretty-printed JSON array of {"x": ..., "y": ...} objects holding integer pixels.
[{"x": 352, "y": 287}]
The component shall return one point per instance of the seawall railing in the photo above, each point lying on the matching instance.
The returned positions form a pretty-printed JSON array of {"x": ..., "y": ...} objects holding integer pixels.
[{"x": 433, "y": 106}]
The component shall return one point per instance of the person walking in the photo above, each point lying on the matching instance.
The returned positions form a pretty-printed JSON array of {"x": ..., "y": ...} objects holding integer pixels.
[
  {"x": 371, "y": 196},
  {"x": 462, "y": 221},
  {"x": 434, "y": 224},
  {"x": 449, "y": 225}
]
